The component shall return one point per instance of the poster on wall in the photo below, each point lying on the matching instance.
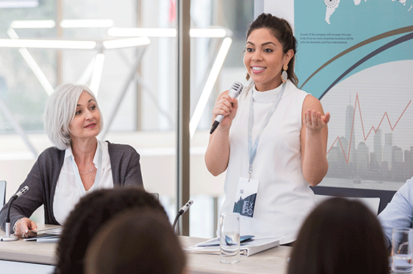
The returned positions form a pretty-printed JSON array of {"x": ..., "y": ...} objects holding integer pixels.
[{"x": 356, "y": 56}]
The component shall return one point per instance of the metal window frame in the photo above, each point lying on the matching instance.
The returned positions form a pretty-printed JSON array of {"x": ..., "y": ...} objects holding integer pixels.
[{"x": 183, "y": 112}]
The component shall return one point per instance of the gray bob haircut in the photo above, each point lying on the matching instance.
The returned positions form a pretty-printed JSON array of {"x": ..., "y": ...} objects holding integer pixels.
[{"x": 60, "y": 111}]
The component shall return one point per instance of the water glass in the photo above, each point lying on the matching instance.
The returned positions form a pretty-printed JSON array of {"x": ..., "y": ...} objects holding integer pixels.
[
  {"x": 229, "y": 237},
  {"x": 402, "y": 250}
]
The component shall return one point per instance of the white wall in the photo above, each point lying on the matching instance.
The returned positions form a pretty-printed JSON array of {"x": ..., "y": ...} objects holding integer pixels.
[{"x": 279, "y": 8}]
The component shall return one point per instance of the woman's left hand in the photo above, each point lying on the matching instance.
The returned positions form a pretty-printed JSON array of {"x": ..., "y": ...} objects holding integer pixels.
[{"x": 314, "y": 121}]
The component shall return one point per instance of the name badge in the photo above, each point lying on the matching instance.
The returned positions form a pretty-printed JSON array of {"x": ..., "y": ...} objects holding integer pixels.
[{"x": 246, "y": 196}]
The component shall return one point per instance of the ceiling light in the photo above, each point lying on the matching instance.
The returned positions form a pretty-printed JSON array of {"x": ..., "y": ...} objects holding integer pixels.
[
  {"x": 125, "y": 43},
  {"x": 165, "y": 32},
  {"x": 53, "y": 44},
  {"x": 33, "y": 24},
  {"x": 87, "y": 23},
  {"x": 149, "y": 32},
  {"x": 206, "y": 92}
]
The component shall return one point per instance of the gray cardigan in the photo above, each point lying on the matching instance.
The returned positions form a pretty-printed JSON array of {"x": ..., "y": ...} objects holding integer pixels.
[{"x": 42, "y": 180}]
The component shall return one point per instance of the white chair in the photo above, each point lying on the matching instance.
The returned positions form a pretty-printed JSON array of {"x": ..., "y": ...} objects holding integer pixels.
[
  {"x": 375, "y": 200},
  {"x": 2, "y": 193},
  {"x": 370, "y": 203}
]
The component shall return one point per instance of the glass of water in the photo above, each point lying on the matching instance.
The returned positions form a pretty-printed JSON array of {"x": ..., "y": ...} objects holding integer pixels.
[
  {"x": 229, "y": 238},
  {"x": 402, "y": 250}
]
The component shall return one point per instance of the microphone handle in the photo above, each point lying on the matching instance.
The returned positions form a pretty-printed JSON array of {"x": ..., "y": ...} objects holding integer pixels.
[
  {"x": 219, "y": 117},
  {"x": 214, "y": 127},
  {"x": 14, "y": 197},
  {"x": 9, "y": 237},
  {"x": 176, "y": 220}
]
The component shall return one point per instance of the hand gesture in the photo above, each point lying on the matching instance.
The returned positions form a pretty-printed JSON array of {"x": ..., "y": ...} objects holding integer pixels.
[
  {"x": 314, "y": 121},
  {"x": 227, "y": 107},
  {"x": 23, "y": 227}
]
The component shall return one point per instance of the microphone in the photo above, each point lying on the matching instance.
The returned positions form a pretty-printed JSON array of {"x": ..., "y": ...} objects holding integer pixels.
[
  {"x": 21, "y": 192},
  {"x": 181, "y": 212},
  {"x": 8, "y": 237},
  {"x": 234, "y": 92}
]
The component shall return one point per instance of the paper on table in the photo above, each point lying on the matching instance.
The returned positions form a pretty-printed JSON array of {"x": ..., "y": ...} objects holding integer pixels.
[
  {"x": 52, "y": 239},
  {"x": 50, "y": 235},
  {"x": 43, "y": 239},
  {"x": 52, "y": 231},
  {"x": 215, "y": 241},
  {"x": 247, "y": 249}
]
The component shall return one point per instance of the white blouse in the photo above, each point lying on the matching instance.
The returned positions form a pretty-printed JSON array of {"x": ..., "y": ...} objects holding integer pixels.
[
  {"x": 284, "y": 197},
  {"x": 70, "y": 189}
]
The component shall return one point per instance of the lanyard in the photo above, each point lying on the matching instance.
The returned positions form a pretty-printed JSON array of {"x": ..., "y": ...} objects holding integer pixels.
[
  {"x": 77, "y": 174},
  {"x": 252, "y": 149}
]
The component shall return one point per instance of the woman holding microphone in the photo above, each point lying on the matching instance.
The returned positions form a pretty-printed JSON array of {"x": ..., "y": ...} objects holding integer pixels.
[
  {"x": 77, "y": 164},
  {"x": 272, "y": 141}
]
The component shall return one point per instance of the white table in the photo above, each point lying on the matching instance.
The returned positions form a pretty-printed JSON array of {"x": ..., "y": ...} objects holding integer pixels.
[
  {"x": 272, "y": 261},
  {"x": 20, "y": 255},
  {"x": 27, "y": 257}
]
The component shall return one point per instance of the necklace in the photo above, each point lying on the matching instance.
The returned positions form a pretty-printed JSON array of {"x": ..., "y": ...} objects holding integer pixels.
[{"x": 87, "y": 172}]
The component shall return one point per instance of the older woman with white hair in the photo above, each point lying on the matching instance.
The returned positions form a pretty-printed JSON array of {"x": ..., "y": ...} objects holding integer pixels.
[{"x": 78, "y": 163}]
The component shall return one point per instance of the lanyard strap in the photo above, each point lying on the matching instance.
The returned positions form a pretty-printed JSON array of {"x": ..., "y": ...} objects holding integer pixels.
[{"x": 252, "y": 149}]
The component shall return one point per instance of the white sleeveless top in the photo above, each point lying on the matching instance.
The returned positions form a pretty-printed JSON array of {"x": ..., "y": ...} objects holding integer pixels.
[{"x": 284, "y": 198}]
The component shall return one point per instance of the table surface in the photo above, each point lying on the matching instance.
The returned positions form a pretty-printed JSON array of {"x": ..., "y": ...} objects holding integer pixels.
[{"x": 270, "y": 261}]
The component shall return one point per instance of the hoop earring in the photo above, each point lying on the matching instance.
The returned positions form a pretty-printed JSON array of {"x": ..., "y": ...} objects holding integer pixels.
[
  {"x": 284, "y": 74},
  {"x": 247, "y": 77}
]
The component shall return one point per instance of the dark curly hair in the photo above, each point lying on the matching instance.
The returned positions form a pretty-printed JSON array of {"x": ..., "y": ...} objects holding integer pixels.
[
  {"x": 281, "y": 30},
  {"x": 339, "y": 237},
  {"x": 135, "y": 241},
  {"x": 91, "y": 213}
]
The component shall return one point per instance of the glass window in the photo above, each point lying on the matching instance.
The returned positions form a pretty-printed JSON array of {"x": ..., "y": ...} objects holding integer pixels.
[
  {"x": 136, "y": 85},
  {"x": 216, "y": 63}
]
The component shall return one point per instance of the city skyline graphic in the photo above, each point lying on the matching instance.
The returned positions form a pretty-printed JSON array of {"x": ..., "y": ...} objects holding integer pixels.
[
  {"x": 355, "y": 162},
  {"x": 370, "y": 137},
  {"x": 352, "y": 134}
]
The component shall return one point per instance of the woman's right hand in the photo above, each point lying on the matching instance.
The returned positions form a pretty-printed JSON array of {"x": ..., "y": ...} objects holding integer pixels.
[
  {"x": 23, "y": 227},
  {"x": 227, "y": 107}
]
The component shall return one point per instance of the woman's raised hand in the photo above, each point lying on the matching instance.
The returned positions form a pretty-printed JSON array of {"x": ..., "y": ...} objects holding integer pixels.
[
  {"x": 23, "y": 227},
  {"x": 314, "y": 121},
  {"x": 227, "y": 107}
]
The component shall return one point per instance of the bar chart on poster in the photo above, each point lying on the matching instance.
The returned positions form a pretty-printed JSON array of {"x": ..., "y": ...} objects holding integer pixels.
[{"x": 357, "y": 58}]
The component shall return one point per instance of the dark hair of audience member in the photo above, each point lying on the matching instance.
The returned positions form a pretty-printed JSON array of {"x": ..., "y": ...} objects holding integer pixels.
[
  {"x": 340, "y": 237},
  {"x": 89, "y": 215},
  {"x": 136, "y": 242}
]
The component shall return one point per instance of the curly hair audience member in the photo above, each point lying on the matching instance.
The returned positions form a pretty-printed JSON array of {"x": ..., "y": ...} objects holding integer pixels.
[
  {"x": 340, "y": 237},
  {"x": 89, "y": 215},
  {"x": 136, "y": 242}
]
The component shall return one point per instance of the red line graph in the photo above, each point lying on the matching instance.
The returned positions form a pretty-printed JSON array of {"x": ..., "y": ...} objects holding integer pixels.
[{"x": 357, "y": 103}]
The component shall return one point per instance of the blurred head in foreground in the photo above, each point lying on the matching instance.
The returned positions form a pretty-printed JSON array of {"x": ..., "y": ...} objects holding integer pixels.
[
  {"x": 136, "y": 241},
  {"x": 339, "y": 237},
  {"x": 90, "y": 214}
]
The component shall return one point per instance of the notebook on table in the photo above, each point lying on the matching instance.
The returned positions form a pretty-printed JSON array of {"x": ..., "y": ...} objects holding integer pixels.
[{"x": 248, "y": 248}]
